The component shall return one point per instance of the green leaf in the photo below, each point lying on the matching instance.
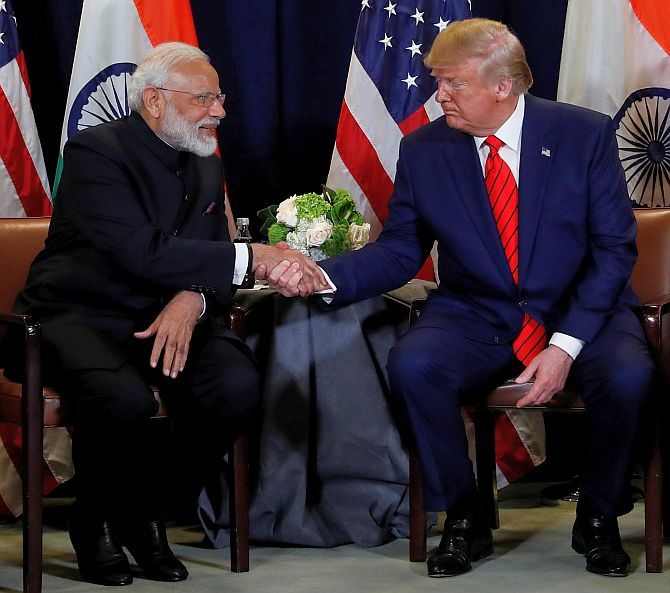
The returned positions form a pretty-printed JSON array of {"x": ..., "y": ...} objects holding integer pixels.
[
  {"x": 338, "y": 242},
  {"x": 277, "y": 232}
]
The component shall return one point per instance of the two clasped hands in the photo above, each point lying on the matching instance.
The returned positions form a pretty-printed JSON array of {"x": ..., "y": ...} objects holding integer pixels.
[{"x": 288, "y": 271}]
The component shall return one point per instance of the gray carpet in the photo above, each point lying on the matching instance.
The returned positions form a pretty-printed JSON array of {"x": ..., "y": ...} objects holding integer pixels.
[{"x": 532, "y": 554}]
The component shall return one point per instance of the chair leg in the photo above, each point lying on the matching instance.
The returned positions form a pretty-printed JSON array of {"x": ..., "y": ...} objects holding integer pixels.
[
  {"x": 485, "y": 451},
  {"x": 239, "y": 505},
  {"x": 32, "y": 412},
  {"x": 653, "y": 511},
  {"x": 417, "y": 515}
]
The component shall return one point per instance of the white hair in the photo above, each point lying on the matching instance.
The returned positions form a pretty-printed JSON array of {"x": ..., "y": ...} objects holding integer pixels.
[{"x": 155, "y": 68}]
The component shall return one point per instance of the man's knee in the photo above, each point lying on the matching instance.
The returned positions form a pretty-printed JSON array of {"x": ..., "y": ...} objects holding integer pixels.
[
  {"x": 114, "y": 397},
  {"x": 406, "y": 367},
  {"x": 228, "y": 390}
]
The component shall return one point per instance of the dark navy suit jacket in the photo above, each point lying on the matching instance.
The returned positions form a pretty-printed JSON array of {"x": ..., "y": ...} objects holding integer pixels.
[{"x": 576, "y": 236}]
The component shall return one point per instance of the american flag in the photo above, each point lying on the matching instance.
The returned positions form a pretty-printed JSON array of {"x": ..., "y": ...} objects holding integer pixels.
[
  {"x": 24, "y": 188},
  {"x": 389, "y": 94}
]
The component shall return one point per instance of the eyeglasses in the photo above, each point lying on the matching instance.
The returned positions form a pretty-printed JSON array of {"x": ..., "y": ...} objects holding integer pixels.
[
  {"x": 205, "y": 99},
  {"x": 453, "y": 84}
]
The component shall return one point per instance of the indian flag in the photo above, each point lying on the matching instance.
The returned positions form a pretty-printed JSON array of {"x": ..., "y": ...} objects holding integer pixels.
[
  {"x": 616, "y": 59},
  {"x": 114, "y": 35}
]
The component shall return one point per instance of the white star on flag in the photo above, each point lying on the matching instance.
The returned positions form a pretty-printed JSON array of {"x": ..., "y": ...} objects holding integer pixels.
[
  {"x": 415, "y": 48},
  {"x": 386, "y": 41},
  {"x": 1, "y": 36},
  {"x": 3, "y": 5},
  {"x": 365, "y": 4},
  {"x": 409, "y": 81},
  {"x": 391, "y": 8},
  {"x": 418, "y": 17},
  {"x": 441, "y": 25}
]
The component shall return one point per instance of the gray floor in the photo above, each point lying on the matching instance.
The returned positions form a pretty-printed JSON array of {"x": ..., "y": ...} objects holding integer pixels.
[{"x": 532, "y": 553}]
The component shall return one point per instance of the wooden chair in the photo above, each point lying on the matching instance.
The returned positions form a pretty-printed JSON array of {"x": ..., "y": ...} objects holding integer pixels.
[
  {"x": 34, "y": 406},
  {"x": 651, "y": 282}
]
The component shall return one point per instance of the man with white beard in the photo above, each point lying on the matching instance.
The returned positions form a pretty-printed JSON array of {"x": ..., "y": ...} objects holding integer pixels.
[{"x": 136, "y": 269}]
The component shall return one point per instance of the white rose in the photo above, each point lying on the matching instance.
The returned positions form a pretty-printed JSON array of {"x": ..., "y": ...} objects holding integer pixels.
[
  {"x": 318, "y": 233},
  {"x": 287, "y": 212},
  {"x": 359, "y": 234}
]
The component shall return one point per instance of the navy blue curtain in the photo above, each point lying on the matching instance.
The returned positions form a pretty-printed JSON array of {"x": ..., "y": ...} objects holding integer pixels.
[{"x": 283, "y": 65}]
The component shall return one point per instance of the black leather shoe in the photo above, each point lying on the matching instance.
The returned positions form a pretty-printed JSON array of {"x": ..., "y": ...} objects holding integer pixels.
[
  {"x": 99, "y": 555},
  {"x": 598, "y": 539},
  {"x": 148, "y": 544},
  {"x": 463, "y": 542}
]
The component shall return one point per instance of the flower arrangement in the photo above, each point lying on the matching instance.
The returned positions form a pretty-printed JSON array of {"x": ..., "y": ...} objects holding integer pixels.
[{"x": 318, "y": 225}]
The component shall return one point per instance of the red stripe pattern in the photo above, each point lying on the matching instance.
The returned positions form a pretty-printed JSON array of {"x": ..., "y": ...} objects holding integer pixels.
[
  {"x": 24, "y": 191},
  {"x": 504, "y": 196}
]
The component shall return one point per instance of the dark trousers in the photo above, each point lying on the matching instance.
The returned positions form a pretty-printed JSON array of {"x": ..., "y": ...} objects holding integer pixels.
[
  {"x": 210, "y": 404},
  {"x": 431, "y": 370}
]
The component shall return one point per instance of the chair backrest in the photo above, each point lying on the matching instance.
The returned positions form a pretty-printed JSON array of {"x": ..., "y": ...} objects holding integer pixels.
[
  {"x": 21, "y": 239},
  {"x": 651, "y": 274}
]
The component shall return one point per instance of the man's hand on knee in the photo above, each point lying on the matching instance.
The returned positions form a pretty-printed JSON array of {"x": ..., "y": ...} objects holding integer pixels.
[{"x": 173, "y": 329}]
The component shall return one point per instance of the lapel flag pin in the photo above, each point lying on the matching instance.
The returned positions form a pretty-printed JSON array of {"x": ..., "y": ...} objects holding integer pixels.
[{"x": 545, "y": 151}]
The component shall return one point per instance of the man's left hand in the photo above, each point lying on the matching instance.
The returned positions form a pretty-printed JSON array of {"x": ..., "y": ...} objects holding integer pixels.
[
  {"x": 173, "y": 329},
  {"x": 550, "y": 370}
]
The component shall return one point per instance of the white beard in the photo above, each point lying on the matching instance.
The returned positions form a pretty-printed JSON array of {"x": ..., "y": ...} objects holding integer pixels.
[{"x": 184, "y": 135}]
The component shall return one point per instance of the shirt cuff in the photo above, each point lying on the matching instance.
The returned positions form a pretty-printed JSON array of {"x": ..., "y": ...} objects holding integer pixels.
[
  {"x": 241, "y": 263},
  {"x": 204, "y": 306},
  {"x": 573, "y": 346},
  {"x": 332, "y": 288}
]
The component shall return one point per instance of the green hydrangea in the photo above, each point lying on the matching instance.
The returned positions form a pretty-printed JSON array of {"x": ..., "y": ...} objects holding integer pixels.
[
  {"x": 311, "y": 206},
  {"x": 277, "y": 232}
]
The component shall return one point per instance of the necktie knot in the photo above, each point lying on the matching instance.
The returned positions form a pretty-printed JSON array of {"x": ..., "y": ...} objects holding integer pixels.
[{"x": 494, "y": 144}]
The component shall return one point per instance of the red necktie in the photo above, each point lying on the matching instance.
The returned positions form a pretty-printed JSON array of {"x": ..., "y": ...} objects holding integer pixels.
[{"x": 504, "y": 196}]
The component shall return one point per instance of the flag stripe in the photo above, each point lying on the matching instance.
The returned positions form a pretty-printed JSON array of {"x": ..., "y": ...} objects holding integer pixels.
[
  {"x": 512, "y": 457},
  {"x": 19, "y": 163},
  {"x": 10, "y": 484},
  {"x": 655, "y": 17},
  {"x": 340, "y": 176},
  {"x": 178, "y": 26},
  {"x": 416, "y": 120},
  {"x": 10, "y": 204},
  {"x": 21, "y": 63},
  {"x": 360, "y": 157},
  {"x": 365, "y": 104}
]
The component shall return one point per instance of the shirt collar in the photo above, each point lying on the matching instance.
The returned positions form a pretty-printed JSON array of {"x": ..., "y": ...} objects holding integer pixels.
[{"x": 510, "y": 131}]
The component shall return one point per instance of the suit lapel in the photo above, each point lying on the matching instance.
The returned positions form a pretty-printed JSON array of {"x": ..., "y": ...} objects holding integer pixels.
[{"x": 538, "y": 146}]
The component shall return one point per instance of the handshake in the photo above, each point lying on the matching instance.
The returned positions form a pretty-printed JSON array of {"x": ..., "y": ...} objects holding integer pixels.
[{"x": 286, "y": 270}]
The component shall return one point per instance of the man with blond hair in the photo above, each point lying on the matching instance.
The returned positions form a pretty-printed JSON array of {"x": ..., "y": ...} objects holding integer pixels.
[{"x": 527, "y": 201}]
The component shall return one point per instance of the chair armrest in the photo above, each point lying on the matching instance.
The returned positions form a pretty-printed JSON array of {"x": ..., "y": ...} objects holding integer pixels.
[
  {"x": 26, "y": 321},
  {"x": 246, "y": 302},
  {"x": 416, "y": 306},
  {"x": 413, "y": 290},
  {"x": 657, "y": 329}
]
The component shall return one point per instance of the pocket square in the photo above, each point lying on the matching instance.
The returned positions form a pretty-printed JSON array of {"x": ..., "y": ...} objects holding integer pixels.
[{"x": 212, "y": 208}]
